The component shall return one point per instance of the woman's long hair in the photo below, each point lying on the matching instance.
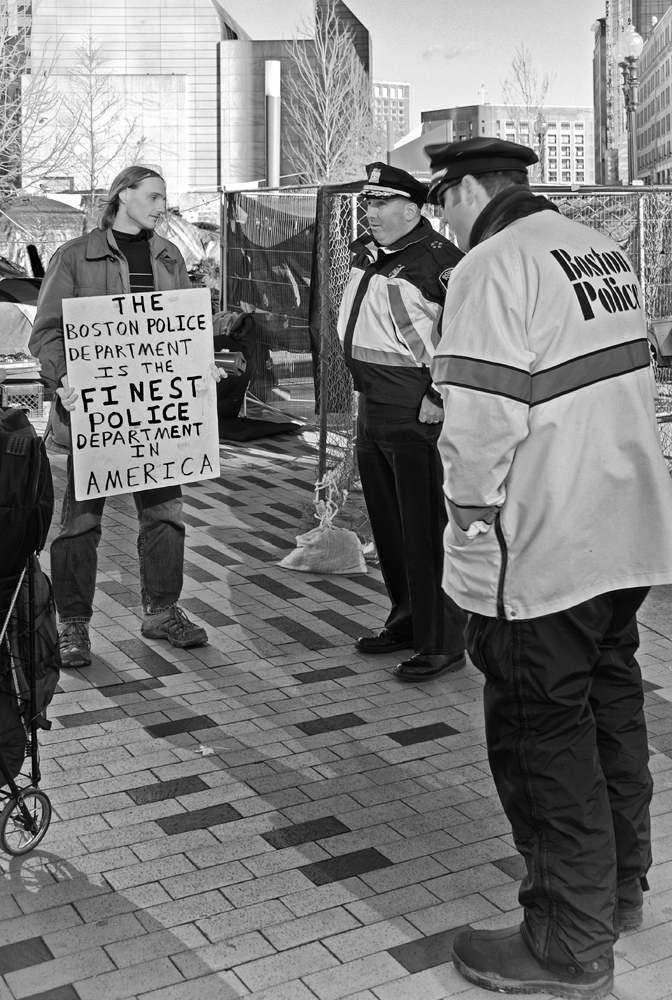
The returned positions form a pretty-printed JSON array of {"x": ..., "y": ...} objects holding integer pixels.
[{"x": 130, "y": 177}]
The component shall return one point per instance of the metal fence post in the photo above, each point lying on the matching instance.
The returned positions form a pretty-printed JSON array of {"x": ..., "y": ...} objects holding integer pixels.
[
  {"x": 223, "y": 247},
  {"x": 324, "y": 301},
  {"x": 643, "y": 249}
]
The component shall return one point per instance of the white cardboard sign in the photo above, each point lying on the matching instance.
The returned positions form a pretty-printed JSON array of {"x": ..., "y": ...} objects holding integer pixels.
[{"x": 146, "y": 416}]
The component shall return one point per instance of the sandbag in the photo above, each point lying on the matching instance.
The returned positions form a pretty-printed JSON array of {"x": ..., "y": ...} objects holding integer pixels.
[{"x": 327, "y": 549}]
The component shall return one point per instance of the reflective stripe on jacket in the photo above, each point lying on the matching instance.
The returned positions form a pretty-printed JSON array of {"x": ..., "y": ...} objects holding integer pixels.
[
  {"x": 556, "y": 485},
  {"x": 390, "y": 312},
  {"x": 91, "y": 265}
]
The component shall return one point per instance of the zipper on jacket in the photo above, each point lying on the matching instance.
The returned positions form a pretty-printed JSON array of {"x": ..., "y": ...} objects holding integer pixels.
[{"x": 501, "y": 613}]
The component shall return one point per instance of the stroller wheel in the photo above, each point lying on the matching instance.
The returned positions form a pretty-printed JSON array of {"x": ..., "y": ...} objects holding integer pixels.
[{"x": 18, "y": 834}]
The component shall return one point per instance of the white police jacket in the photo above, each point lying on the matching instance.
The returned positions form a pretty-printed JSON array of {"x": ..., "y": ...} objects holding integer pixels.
[{"x": 557, "y": 489}]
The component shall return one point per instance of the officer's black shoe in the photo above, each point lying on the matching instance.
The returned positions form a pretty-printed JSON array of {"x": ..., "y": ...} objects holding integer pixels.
[
  {"x": 425, "y": 667},
  {"x": 630, "y": 904},
  {"x": 502, "y": 962},
  {"x": 386, "y": 641}
]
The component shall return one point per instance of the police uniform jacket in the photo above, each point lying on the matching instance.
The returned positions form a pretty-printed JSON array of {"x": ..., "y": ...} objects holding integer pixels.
[
  {"x": 389, "y": 315},
  {"x": 556, "y": 485}
]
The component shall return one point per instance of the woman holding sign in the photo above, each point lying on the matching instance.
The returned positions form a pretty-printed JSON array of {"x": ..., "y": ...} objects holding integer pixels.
[{"x": 122, "y": 256}]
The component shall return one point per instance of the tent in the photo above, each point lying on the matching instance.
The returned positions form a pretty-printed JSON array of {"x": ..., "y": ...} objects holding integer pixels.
[
  {"x": 193, "y": 243},
  {"x": 42, "y": 222}
]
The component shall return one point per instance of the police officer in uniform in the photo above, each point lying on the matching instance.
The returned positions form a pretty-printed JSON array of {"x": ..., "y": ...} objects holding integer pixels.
[
  {"x": 559, "y": 502},
  {"x": 388, "y": 325}
]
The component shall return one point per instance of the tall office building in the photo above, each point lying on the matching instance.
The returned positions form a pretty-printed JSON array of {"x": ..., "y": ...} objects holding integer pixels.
[
  {"x": 603, "y": 161},
  {"x": 563, "y": 136},
  {"x": 642, "y": 13},
  {"x": 391, "y": 103},
  {"x": 653, "y": 117},
  {"x": 190, "y": 73}
]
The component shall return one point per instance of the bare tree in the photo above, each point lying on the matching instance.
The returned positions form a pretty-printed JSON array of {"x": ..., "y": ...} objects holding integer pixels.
[
  {"x": 327, "y": 104},
  {"x": 32, "y": 146},
  {"x": 104, "y": 138},
  {"x": 524, "y": 94}
]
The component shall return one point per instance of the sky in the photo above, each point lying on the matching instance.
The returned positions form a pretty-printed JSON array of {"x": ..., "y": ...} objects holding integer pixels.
[{"x": 447, "y": 49}]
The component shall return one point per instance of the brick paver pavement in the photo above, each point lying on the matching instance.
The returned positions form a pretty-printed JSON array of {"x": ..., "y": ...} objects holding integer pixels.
[{"x": 273, "y": 816}]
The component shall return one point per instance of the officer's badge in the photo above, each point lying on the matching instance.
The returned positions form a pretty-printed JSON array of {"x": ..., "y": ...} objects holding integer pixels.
[
  {"x": 445, "y": 275},
  {"x": 375, "y": 175}
]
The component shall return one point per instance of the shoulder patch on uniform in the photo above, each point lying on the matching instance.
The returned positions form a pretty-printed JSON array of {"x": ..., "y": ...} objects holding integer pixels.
[{"x": 445, "y": 276}]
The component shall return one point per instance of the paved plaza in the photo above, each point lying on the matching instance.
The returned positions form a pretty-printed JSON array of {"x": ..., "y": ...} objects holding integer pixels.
[{"x": 273, "y": 816}]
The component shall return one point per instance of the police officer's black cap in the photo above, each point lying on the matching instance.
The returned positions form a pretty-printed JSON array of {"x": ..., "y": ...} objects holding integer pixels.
[
  {"x": 451, "y": 161},
  {"x": 384, "y": 181}
]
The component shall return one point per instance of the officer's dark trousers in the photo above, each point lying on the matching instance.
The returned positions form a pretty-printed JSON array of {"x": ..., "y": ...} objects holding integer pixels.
[
  {"x": 568, "y": 750},
  {"x": 402, "y": 481}
]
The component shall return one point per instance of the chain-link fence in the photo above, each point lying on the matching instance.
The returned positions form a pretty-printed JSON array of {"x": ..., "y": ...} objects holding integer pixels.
[{"x": 304, "y": 358}]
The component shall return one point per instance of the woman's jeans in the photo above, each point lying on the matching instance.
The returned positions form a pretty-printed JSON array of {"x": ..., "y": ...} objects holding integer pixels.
[{"x": 74, "y": 556}]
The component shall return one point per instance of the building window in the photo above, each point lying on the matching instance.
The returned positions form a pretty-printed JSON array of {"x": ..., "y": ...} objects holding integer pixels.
[
  {"x": 578, "y": 140},
  {"x": 578, "y": 125},
  {"x": 510, "y": 124},
  {"x": 510, "y": 136},
  {"x": 566, "y": 164},
  {"x": 565, "y": 125},
  {"x": 566, "y": 177},
  {"x": 566, "y": 150},
  {"x": 553, "y": 163},
  {"x": 552, "y": 175},
  {"x": 580, "y": 176},
  {"x": 580, "y": 164}
]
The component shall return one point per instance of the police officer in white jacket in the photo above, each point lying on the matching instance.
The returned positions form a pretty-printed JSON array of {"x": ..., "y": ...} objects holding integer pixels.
[{"x": 560, "y": 519}]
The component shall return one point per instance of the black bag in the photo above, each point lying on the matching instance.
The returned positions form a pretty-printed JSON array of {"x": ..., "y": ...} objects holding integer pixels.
[
  {"x": 44, "y": 644},
  {"x": 26, "y": 497}
]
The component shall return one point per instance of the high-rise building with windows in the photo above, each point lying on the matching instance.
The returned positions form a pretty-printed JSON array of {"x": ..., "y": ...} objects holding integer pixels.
[
  {"x": 562, "y": 136},
  {"x": 653, "y": 117},
  {"x": 391, "y": 102},
  {"x": 603, "y": 162},
  {"x": 643, "y": 12},
  {"x": 191, "y": 73},
  {"x": 644, "y": 15}
]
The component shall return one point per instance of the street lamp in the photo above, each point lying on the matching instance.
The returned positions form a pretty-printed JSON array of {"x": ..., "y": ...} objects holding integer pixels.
[
  {"x": 629, "y": 51},
  {"x": 541, "y": 128}
]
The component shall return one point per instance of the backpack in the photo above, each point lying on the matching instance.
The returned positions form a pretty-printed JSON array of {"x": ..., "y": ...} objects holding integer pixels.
[
  {"x": 26, "y": 496},
  {"x": 26, "y": 508},
  {"x": 42, "y": 644}
]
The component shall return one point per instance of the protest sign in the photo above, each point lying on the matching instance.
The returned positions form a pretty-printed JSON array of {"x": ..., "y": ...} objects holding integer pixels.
[{"x": 146, "y": 416}]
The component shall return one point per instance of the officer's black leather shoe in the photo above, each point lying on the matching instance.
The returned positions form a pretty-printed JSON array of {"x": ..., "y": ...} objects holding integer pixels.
[
  {"x": 502, "y": 962},
  {"x": 630, "y": 904},
  {"x": 386, "y": 641},
  {"x": 425, "y": 667}
]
